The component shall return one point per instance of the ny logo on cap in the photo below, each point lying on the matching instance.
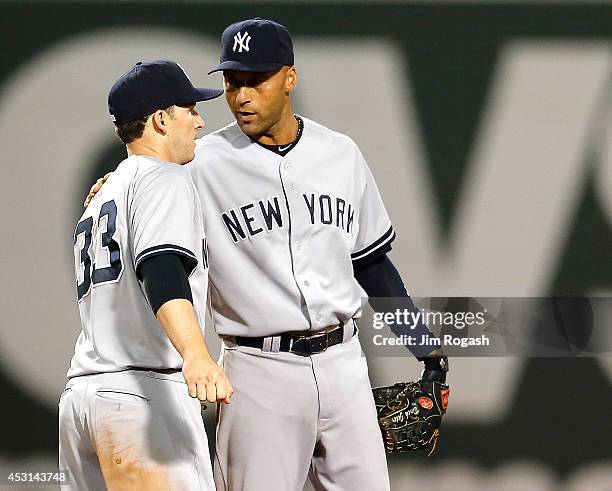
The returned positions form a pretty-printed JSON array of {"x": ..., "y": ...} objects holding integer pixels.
[{"x": 241, "y": 41}]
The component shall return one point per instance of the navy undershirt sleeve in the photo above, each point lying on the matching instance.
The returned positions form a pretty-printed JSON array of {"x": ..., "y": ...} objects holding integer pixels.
[
  {"x": 164, "y": 278},
  {"x": 380, "y": 279}
]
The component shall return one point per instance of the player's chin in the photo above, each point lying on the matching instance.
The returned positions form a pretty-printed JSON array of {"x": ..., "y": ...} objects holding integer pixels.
[
  {"x": 249, "y": 128},
  {"x": 190, "y": 152},
  {"x": 187, "y": 157}
]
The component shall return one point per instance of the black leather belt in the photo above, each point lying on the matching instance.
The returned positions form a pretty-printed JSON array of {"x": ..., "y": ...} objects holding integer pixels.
[
  {"x": 301, "y": 344},
  {"x": 166, "y": 371}
]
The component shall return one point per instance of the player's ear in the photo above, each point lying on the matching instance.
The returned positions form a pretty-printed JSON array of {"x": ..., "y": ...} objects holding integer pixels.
[
  {"x": 159, "y": 120},
  {"x": 291, "y": 79}
]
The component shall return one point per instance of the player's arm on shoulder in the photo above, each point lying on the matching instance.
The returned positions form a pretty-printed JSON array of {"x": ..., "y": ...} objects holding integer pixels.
[
  {"x": 192, "y": 167},
  {"x": 95, "y": 188}
]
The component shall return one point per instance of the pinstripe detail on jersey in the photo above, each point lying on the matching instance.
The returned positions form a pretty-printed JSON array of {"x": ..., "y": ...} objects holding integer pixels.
[
  {"x": 189, "y": 258},
  {"x": 386, "y": 238}
]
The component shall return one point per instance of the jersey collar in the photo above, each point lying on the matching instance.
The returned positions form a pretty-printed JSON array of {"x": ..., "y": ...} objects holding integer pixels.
[{"x": 283, "y": 150}]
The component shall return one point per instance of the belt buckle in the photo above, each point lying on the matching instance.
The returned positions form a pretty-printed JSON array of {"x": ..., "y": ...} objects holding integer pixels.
[{"x": 317, "y": 343}]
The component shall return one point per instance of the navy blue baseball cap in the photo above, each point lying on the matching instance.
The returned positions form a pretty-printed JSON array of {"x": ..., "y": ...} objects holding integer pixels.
[
  {"x": 150, "y": 86},
  {"x": 255, "y": 45}
]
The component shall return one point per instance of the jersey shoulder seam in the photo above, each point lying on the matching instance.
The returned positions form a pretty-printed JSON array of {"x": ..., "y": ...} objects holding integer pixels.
[{"x": 319, "y": 128}]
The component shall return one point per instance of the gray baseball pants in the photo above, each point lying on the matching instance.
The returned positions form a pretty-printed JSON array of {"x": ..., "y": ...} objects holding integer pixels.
[
  {"x": 132, "y": 430},
  {"x": 293, "y": 417}
]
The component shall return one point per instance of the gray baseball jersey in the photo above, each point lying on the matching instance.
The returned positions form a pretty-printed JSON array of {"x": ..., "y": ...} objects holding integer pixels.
[
  {"x": 282, "y": 231},
  {"x": 147, "y": 207},
  {"x": 282, "y": 234}
]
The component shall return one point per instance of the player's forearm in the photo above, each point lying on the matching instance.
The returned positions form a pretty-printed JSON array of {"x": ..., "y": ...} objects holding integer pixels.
[
  {"x": 383, "y": 284},
  {"x": 180, "y": 323}
]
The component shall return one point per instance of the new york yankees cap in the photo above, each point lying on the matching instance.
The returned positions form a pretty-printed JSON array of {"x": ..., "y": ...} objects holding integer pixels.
[
  {"x": 255, "y": 45},
  {"x": 153, "y": 85}
]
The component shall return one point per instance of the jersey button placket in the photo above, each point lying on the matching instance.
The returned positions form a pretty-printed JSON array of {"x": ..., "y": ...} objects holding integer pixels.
[{"x": 298, "y": 230}]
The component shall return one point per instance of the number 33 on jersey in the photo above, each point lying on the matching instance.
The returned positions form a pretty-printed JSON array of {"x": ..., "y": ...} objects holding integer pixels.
[
  {"x": 106, "y": 264},
  {"x": 146, "y": 208}
]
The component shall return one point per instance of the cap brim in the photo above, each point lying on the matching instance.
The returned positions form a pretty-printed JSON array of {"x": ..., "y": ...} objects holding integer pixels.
[
  {"x": 206, "y": 94},
  {"x": 251, "y": 67},
  {"x": 189, "y": 97}
]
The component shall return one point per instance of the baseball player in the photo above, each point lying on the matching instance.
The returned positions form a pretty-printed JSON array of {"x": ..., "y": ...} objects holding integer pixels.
[
  {"x": 297, "y": 234},
  {"x": 126, "y": 418},
  {"x": 293, "y": 242}
]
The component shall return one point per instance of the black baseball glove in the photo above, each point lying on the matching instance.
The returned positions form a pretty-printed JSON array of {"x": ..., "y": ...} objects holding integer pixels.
[{"x": 410, "y": 413}]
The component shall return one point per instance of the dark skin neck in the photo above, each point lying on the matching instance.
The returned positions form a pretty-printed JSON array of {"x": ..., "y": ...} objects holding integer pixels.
[{"x": 282, "y": 132}]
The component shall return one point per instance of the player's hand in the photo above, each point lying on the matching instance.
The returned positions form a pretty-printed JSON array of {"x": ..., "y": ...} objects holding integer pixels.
[
  {"x": 436, "y": 367},
  {"x": 205, "y": 379},
  {"x": 95, "y": 188}
]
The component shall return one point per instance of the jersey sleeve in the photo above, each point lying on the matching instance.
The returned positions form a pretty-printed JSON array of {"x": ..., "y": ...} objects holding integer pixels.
[
  {"x": 163, "y": 216},
  {"x": 375, "y": 232}
]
